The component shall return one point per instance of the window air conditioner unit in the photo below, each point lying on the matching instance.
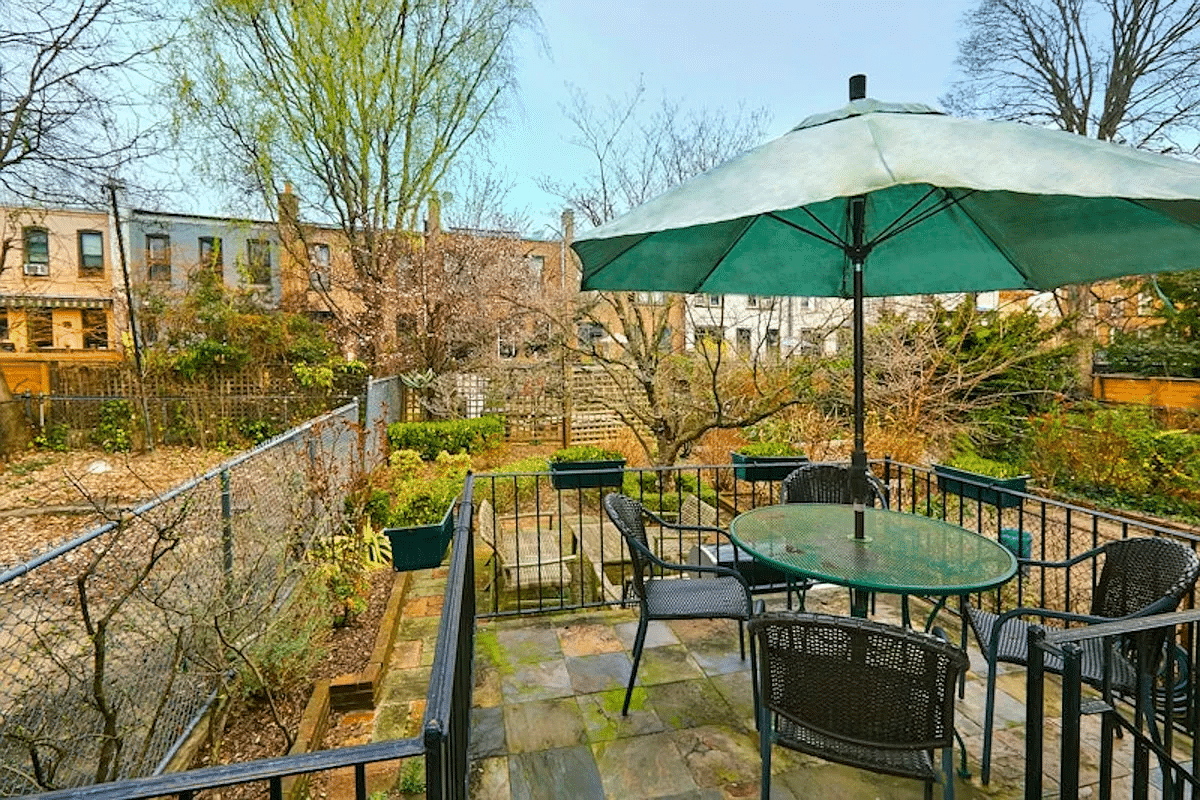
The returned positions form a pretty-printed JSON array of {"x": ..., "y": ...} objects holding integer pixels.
[{"x": 37, "y": 269}]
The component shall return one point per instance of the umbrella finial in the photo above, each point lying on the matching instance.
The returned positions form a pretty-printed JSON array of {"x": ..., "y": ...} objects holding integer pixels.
[{"x": 858, "y": 87}]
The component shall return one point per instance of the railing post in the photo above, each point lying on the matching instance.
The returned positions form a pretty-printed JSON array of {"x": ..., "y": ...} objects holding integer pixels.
[
  {"x": 227, "y": 530},
  {"x": 1034, "y": 710},
  {"x": 1072, "y": 682}
]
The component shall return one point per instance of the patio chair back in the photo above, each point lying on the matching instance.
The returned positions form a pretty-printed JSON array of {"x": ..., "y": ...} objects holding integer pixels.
[
  {"x": 627, "y": 514},
  {"x": 1142, "y": 573},
  {"x": 856, "y": 691},
  {"x": 828, "y": 483}
]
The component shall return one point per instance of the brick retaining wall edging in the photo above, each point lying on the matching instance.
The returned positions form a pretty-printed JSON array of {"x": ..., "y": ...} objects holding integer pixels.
[{"x": 350, "y": 692}]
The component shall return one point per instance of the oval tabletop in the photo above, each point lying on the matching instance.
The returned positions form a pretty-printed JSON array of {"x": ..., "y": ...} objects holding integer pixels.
[{"x": 901, "y": 554}]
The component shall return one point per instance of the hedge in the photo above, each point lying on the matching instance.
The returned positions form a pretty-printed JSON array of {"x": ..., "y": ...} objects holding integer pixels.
[{"x": 451, "y": 436}]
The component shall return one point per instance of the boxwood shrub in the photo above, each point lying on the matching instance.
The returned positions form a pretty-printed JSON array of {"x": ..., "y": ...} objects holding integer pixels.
[{"x": 450, "y": 436}]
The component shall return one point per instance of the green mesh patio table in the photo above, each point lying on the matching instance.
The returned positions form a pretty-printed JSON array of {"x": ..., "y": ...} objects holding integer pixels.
[{"x": 901, "y": 553}]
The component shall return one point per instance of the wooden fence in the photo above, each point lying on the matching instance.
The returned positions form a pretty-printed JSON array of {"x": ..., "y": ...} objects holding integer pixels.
[{"x": 1175, "y": 393}]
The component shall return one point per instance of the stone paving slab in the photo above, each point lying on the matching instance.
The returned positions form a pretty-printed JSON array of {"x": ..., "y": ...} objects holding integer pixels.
[{"x": 547, "y": 717}]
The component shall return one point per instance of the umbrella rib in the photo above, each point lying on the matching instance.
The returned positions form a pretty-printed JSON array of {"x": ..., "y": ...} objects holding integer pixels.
[
  {"x": 885, "y": 234},
  {"x": 1000, "y": 248},
  {"x": 832, "y": 239},
  {"x": 946, "y": 202},
  {"x": 717, "y": 261}
]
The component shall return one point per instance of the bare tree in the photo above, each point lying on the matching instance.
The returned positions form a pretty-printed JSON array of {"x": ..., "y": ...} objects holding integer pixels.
[
  {"x": 668, "y": 396},
  {"x": 365, "y": 106},
  {"x": 457, "y": 289},
  {"x": 68, "y": 83},
  {"x": 636, "y": 156},
  {"x": 1126, "y": 71}
]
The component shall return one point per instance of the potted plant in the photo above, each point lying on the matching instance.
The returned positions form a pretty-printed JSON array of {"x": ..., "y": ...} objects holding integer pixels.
[
  {"x": 418, "y": 507},
  {"x": 981, "y": 479},
  {"x": 421, "y": 546},
  {"x": 766, "y": 461},
  {"x": 586, "y": 467}
]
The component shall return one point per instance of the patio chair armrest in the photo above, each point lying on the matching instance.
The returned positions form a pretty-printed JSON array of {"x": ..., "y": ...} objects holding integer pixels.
[
  {"x": 992, "y": 647},
  {"x": 1070, "y": 562},
  {"x": 680, "y": 526},
  {"x": 699, "y": 568},
  {"x": 658, "y": 520}
]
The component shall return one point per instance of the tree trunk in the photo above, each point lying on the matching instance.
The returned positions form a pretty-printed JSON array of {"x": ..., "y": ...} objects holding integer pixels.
[
  {"x": 14, "y": 430},
  {"x": 1083, "y": 333}
]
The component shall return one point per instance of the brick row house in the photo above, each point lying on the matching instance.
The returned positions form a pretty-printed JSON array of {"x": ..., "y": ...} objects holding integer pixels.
[
  {"x": 63, "y": 287},
  {"x": 58, "y": 292}
]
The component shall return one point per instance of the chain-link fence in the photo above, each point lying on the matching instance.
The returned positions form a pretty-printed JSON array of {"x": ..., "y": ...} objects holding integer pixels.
[
  {"x": 113, "y": 644},
  {"x": 384, "y": 405}
]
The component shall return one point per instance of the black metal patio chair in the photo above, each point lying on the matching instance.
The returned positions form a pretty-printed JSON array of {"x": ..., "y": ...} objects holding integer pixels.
[
  {"x": 661, "y": 589},
  {"x": 1139, "y": 577},
  {"x": 825, "y": 482},
  {"x": 857, "y": 692}
]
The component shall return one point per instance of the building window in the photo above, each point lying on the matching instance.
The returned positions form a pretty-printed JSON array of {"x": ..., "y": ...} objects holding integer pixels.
[
  {"x": 536, "y": 266},
  {"x": 771, "y": 341},
  {"x": 319, "y": 275},
  {"x": 811, "y": 341},
  {"x": 804, "y": 303},
  {"x": 709, "y": 333},
  {"x": 258, "y": 262},
  {"x": 506, "y": 345},
  {"x": 39, "y": 328},
  {"x": 3, "y": 325},
  {"x": 37, "y": 251},
  {"x": 652, "y": 298},
  {"x": 91, "y": 254},
  {"x": 764, "y": 303},
  {"x": 211, "y": 255},
  {"x": 158, "y": 257},
  {"x": 710, "y": 300},
  {"x": 590, "y": 333},
  {"x": 743, "y": 341},
  {"x": 95, "y": 329}
]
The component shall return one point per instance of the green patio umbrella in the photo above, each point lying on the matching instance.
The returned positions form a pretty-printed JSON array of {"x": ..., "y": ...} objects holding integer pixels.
[{"x": 880, "y": 199}]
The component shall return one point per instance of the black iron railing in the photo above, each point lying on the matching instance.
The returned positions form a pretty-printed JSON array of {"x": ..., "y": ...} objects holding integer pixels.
[
  {"x": 443, "y": 742},
  {"x": 551, "y": 549},
  {"x": 1162, "y": 649}
]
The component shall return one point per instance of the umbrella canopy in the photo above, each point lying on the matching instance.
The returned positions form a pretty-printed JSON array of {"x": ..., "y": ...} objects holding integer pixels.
[
  {"x": 879, "y": 199},
  {"x": 952, "y": 205}
]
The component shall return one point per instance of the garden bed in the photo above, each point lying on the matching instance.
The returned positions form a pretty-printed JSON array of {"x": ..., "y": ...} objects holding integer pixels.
[{"x": 252, "y": 734}]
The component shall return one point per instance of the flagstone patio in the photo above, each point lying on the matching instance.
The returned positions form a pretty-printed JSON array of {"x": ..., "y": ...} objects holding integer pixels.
[{"x": 547, "y": 720}]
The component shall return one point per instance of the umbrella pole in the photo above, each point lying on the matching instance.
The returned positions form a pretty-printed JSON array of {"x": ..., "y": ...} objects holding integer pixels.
[{"x": 858, "y": 459}]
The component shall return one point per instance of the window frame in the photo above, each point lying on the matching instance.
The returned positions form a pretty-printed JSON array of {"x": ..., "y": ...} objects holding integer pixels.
[
  {"x": 91, "y": 339},
  {"x": 30, "y": 342},
  {"x": 158, "y": 263},
  {"x": 714, "y": 334},
  {"x": 86, "y": 270},
  {"x": 40, "y": 267},
  {"x": 211, "y": 252},
  {"x": 258, "y": 262},
  {"x": 320, "y": 276}
]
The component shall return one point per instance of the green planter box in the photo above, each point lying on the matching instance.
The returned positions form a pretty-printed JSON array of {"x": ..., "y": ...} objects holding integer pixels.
[
  {"x": 587, "y": 474},
  {"x": 765, "y": 468},
  {"x": 953, "y": 481},
  {"x": 421, "y": 546}
]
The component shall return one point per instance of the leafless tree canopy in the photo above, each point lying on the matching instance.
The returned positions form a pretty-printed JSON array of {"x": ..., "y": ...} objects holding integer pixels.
[
  {"x": 68, "y": 84},
  {"x": 1126, "y": 71},
  {"x": 637, "y": 155}
]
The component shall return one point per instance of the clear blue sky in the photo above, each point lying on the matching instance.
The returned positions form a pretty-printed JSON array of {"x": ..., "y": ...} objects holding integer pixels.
[{"x": 792, "y": 57}]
